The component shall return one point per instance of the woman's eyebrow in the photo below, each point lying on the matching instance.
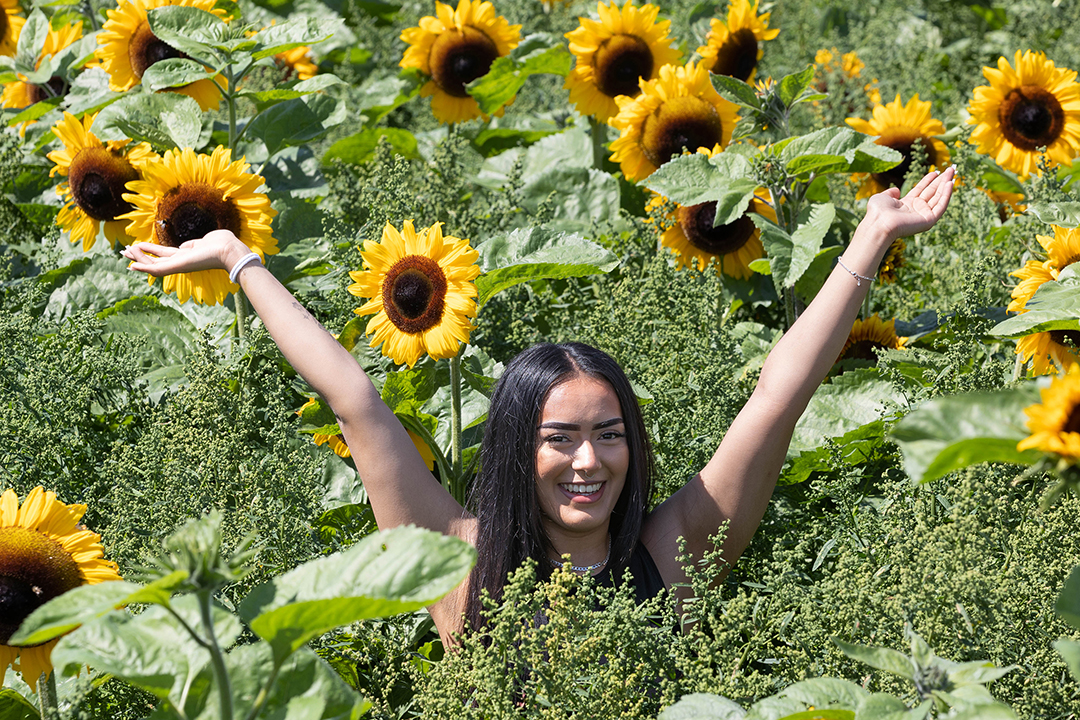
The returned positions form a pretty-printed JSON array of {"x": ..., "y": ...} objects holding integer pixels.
[{"x": 573, "y": 426}]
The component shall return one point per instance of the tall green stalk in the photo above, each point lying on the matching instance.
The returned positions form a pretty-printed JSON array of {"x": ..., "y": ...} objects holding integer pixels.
[
  {"x": 217, "y": 658},
  {"x": 598, "y": 134},
  {"x": 229, "y": 93},
  {"x": 47, "y": 700},
  {"x": 455, "y": 416}
]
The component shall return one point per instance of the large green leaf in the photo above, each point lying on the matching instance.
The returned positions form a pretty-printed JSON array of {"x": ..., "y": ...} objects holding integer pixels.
[
  {"x": 173, "y": 72},
  {"x": 1054, "y": 306},
  {"x": 293, "y": 33},
  {"x": 577, "y": 197},
  {"x": 150, "y": 650},
  {"x": 359, "y": 148},
  {"x": 493, "y": 141},
  {"x": 540, "y": 53},
  {"x": 794, "y": 85},
  {"x": 954, "y": 432},
  {"x": 1062, "y": 214},
  {"x": 298, "y": 121},
  {"x": 826, "y": 691},
  {"x": 291, "y": 90},
  {"x": 177, "y": 117},
  {"x": 1069, "y": 650},
  {"x": 736, "y": 91},
  {"x": 190, "y": 30},
  {"x": 702, "y": 706},
  {"x": 881, "y": 658},
  {"x": 837, "y": 149},
  {"x": 536, "y": 253},
  {"x": 848, "y": 402},
  {"x": 14, "y": 706},
  {"x": 691, "y": 179},
  {"x": 387, "y": 573},
  {"x": 791, "y": 255},
  {"x": 90, "y": 283},
  {"x": 1068, "y": 602},
  {"x": 85, "y": 603},
  {"x": 851, "y": 448},
  {"x": 881, "y": 706}
]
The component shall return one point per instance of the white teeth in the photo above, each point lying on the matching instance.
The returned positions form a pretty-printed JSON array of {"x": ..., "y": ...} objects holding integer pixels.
[{"x": 583, "y": 489}]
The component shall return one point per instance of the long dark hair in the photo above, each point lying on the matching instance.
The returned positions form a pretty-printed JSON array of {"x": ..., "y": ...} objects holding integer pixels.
[{"x": 504, "y": 498}]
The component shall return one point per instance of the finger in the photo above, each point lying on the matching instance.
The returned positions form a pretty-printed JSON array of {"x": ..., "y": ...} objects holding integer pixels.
[
  {"x": 943, "y": 179},
  {"x": 923, "y": 184}
]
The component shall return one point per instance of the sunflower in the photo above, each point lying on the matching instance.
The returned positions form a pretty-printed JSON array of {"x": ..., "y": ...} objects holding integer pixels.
[
  {"x": 11, "y": 24},
  {"x": 21, "y": 94},
  {"x": 902, "y": 128},
  {"x": 298, "y": 60},
  {"x": 679, "y": 109},
  {"x": 97, "y": 173},
  {"x": 127, "y": 47},
  {"x": 866, "y": 335},
  {"x": 44, "y": 552},
  {"x": 453, "y": 48},
  {"x": 614, "y": 55},
  {"x": 734, "y": 47},
  {"x": 894, "y": 260},
  {"x": 1055, "y": 424},
  {"x": 1008, "y": 203},
  {"x": 420, "y": 287},
  {"x": 1034, "y": 105},
  {"x": 183, "y": 196}
]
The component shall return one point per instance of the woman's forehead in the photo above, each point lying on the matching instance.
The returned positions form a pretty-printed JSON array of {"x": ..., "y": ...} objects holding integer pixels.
[{"x": 581, "y": 400}]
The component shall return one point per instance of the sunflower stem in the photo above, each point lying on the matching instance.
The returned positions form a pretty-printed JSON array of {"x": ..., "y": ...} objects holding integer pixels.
[
  {"x": 455, "y": 419},
  {"x": 598, "y": 133},
  {"x": 217, "y": 658},
  {"x": 866, "y": 301},
  {"x": 789, "y": 306},
  {"x": 50, "y": 707},
  {"x": 241, "y": 313}
]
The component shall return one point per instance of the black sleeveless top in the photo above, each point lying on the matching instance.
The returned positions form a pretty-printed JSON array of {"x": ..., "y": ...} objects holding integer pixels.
[{"x": 647, "y": 581}]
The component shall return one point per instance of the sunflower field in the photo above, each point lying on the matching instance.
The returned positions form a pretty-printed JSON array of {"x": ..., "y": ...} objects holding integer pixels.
[{"x": 183, "y": 533}]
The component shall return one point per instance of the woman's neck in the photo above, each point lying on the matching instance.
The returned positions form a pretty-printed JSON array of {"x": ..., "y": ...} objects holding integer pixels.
[{"x": 591, "y": 549}]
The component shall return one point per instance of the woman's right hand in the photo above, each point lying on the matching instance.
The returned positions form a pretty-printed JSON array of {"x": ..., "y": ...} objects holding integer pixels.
[{"x": 219, "y": 250}]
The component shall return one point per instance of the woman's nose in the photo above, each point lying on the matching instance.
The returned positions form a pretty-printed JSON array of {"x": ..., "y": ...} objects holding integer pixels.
[{"x": 585, "y": 459}]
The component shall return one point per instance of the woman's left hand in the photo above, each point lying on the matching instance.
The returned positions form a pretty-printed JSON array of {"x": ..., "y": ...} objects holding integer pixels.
[{"x": 914, "y": 213}]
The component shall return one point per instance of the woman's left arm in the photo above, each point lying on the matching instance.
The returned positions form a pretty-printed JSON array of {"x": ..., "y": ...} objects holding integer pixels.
[{"x": 738, "y": 481}]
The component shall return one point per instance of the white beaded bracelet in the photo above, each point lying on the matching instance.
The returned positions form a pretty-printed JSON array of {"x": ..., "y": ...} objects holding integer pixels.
[
  {"x": 241, "y": 264},
  {"x": 858, "y": 278}
]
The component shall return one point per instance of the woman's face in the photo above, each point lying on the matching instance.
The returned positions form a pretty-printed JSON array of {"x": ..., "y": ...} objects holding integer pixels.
[{"x": 582, "y": 455}]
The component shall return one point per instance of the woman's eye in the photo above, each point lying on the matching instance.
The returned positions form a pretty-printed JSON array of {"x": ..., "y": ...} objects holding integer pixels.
[
  {"x": 612, "y": 435},
  {"x": 555, "y": 438}
]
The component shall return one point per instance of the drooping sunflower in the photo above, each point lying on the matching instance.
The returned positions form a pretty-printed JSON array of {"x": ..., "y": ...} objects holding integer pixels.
[
  {"x": 11, "y": 24},
  {"x": 1024, "y": 108},
  {"x": 694, "y": 241},
  {"x": 298, "y": 61},
  {"x": 44, "y": 552},
  {"x": 341, "y": 448},
  {"x": 894, "y": 260},
  {"x": 127, "y": 47},
  {"x": 679, "y": 109},
  {"x": 21, "y": 94},
  {"x": 615, "y": 54},
  {"x": 866, "y": 335},
  {"x": 1055, "y": 423},
  {"x": 97, "y": 174},
  {"x": 453, "y": 48},
  {"x": 421, "y": 291},
  {"x": 183, "y": 196},
  {"x": 902, "y": 128},
  {"x": 733, "y": 47}
]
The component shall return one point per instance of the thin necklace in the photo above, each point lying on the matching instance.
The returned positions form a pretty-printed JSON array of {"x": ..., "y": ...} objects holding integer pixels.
[{"x": 587, "y": 568}]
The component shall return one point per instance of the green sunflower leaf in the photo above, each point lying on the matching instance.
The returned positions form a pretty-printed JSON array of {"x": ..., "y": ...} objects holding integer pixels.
[
  {"x": 881, "y": 658},
  {"x": 493, "y": 141},
  {"x": 360, "y": 148},
  {"x": 540, "y": 53},
  {"x": 386, "y": 573},
  {"x": 292, "y": 34},
  {"x": 837, "y": 149},
  {"x": 790, "y": 256},
  {"x": 1068, "y": 602},
  {"x": 31, "y": 40},
  {"x": 190, "y": 30},
  {"x": 826, "y": 691},
  {"x": 794, "y": 85},
  {"x": 726, "y": 179},
  {"x": 703, "y": 706},
  {"x": 1069, "y": 650},
  {"x": 298, "y": 121},
  {"x": 954, "y": 432},
  {"x": 1054, "y": 306},
  {"x": 736, "y": 91},
  {"x": 14, "y": 706},
  {"x": 537, "y": 253},
  {"x": 173, "y": 72},
  {"x": 1062, "y": 214},
  {"x": 291, "y": 90},
  {"x": 318, "y": 418},
  {"x": 35, "y": 111}
]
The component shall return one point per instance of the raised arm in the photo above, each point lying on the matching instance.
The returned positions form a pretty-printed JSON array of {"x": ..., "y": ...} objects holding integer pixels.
[
  {"x": 400, "y": 487},
  {"x": 738, "y": 481}
]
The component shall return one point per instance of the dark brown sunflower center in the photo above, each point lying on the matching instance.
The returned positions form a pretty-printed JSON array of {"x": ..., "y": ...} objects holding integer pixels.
[
  {"x": 145, "y": 49},
  {"x": 683, "y": 122},
  {"x": 33, "y": 570},
  {"x": 97, "y": 178},
  {"x": 1031, "y": 117},
  {"x": 5, "y": 25},
  {"x": 894, "y": 177},
  {"x": 56, "y": 88},
  {"x": 193, "y": 210},
  {"x": 738, "y": 56},
  {"x": 619, "y": 63},
  {"x": 863, "y": 350},
  {"x": 697, "y": 224},
  {"x": 413, "y": 294},
  {"x": 459, "y": 57}
]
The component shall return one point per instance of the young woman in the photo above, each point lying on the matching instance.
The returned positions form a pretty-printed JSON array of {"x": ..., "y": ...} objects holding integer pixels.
[{"x": 566, "y": 466}]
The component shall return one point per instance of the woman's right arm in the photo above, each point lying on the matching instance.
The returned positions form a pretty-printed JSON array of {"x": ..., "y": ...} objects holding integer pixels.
[{"x": 400, "y": 487}]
